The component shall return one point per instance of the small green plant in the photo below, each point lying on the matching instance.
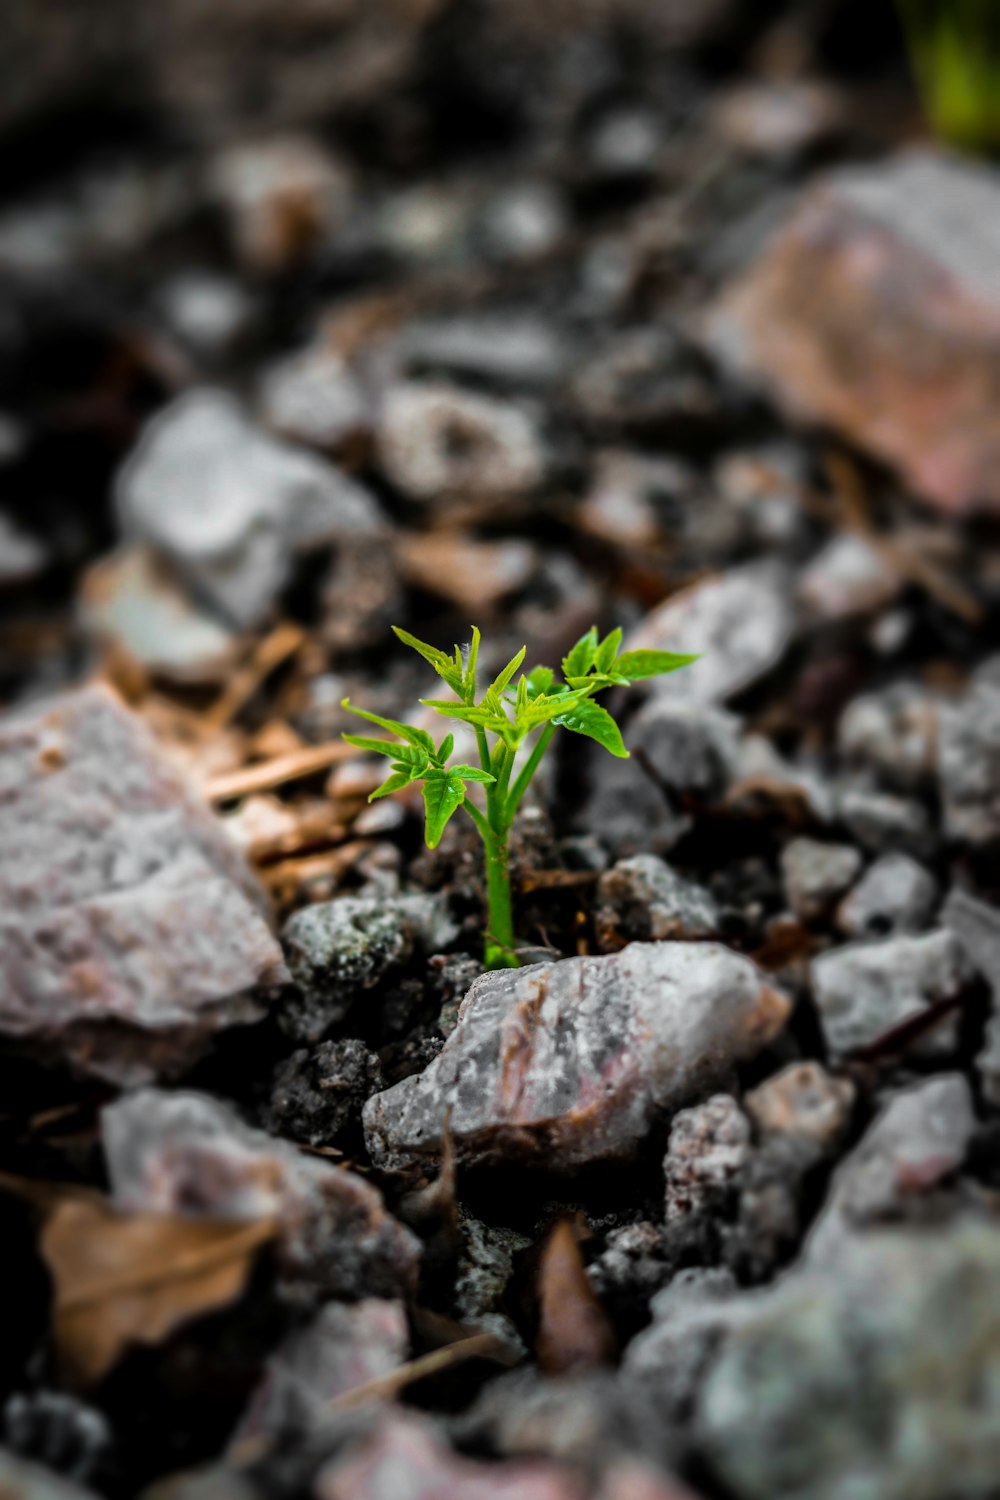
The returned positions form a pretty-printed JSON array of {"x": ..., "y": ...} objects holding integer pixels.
[
  {"x": 505, "y": 718},
  {"x": 955, "y": 47}
]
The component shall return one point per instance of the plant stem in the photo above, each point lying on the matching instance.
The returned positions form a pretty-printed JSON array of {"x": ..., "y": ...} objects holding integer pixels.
[{"x": 500, "y": 928}]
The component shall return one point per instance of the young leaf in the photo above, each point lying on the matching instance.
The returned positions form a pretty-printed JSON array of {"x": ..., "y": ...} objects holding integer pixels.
[
  {"x": 596, "y": 723},
  {"x": 540, "y": 679},
  {"x": 607, "y": 651},
  {"x": 581, "y": 658},
  {"x": 442, "y": 663},
  {"x": 483, "y": 716},
  {"x": 472, "y": 773},
  {"x": 443, "y": 795},
  {"x": 408, "y": 732},
  {"x": 634, "y": 666},
  {"x": 470, "y": 657},
  {"x": 409, "y": 754},
  {"x": 445, "y": 748},
  {"x": 500, "y": 682},
  {"x": 393, "y": 783}
]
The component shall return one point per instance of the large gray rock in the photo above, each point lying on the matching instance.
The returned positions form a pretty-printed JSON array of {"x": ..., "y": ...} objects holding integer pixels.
[
  {"x": 570, "y": 1062},
  {"x": 741, "y": 623},
  {"x": 866, "y": 989},
  {"x": 189, "y": 1156},
  {"x": 877, "y": 1378},
  {"x": 131, "y": 931},
  {"x": 969, "y": 760},
  {"x": 976, "y": 924},
  {"x": 231, "y": 506},
  {"x": 868, "y": 313}
]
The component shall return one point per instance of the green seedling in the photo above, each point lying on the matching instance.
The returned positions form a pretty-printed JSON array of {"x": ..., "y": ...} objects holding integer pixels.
[
  {"x": 955, "y": 47},
  {"x": 509, "y": 717}
]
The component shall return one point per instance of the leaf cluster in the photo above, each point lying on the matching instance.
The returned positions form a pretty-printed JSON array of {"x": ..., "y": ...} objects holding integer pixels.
[{"x": 509, "y": 712}]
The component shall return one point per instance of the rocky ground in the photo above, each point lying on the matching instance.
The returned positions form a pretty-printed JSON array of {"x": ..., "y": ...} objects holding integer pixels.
[{"x": 668, "y": 317}]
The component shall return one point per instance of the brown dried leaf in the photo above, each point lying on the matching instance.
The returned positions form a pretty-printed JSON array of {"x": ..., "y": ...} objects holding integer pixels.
[
  {"x": 121, "y": 1279},
  {"x": 573, "y": 1331}
]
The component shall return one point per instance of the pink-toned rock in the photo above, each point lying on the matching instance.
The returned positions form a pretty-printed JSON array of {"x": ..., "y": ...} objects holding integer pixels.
[
  {"x": 186, "y": 1155},
  {"x": 876, "y": 310},
  {"x": 131, "y": 931},
  {"x": 406, "y": 1459},
  {"x": 570, "y": 1062}
]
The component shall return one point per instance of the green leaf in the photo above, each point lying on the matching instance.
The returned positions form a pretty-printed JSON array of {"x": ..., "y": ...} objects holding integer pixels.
[
  {"x": 444, "y": 793},
  {"x": 551, "y": 705},
  {"x": 500, "y": 682},
  {"x": 408, "y": 732},
  {"x": 407, "y": 754},
  {"x": 634, "y": 666},
  {"x": 445, "y": 748},
  {"x": 607, "y": 651},
  {"x": 472, "y": 773},
  {"x": 442, "y": 663},
  {"x": 471, "y": 658},
  {"x": 540, "y": 679},
  {"x": 472, "y": 714},
  {"x": 393, "y": 783},
  {"x": 596, "y": 723},
  {"x": 581, "y": 658}
]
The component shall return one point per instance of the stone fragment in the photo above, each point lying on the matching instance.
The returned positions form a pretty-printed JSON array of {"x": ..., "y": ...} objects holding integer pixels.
[
  {"x": 318, "y": 1093},
  {"x": 969, "y": 761},
  {"x": 22, "y": 557},
  {"x": 796, "y": 791},
  {"x": 484, "y": 1270},
  {"x": 437, "y": 442},
  {"x": 23, "y": 1479},
  {"x": 57, "y": 1429},
  {"x": 918, "y": 1140},
  {"x": 231, "y": 506},
  {"x": 667, "y": 1362},
  {"x": 570, "y": 1062},
  {"x": 805, "y": 1102},
  {"x": 692, "y": 748},
  {"x": 511, "y": 351},
  {"x": 848, "y": 578},
  {"x": 474, "y": 575},
  {"x": 337, "y": 950},
  {"x": 632, "y": 813},
  {"x": 868, "y": 313},
  {"x": 779, "y": 119},
  {"x": 133, "y": 603},
  {"x": 708, "y": 1150},
  {"x": 742, "y": 622},
  {"x": 895, "y": 895},
  {"x": 190, "y": 1156},
  {"x": 209, "y": 313},
  {"x": 406, "y": 1458},
  {"x": 866, "y": 989},
  {"x": 892, "y": 733},
  {"x": 976, "y": 924},
  {"x": 815, "y": 874},
  {"x": 876, "y": 1376},
  {"x": 314, "y": 397},
  {"x": 643, "y": 899},
  {"x": 345, "y": 1346},
  {"x": 883, "y": 822},
  {"x": 131, "y": 931}
]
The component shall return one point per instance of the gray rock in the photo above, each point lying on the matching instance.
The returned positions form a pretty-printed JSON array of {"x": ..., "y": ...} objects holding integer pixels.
[
  {"x": 918, "y": 1139},
  {"x": 895, "y": 895},
  {"x": 337, "y": 950},
  {"x": 969, "y": 763},
  {"x": 131, "y": 930},
  {"x": 816, "y": 874},
  {"x": 22, "y": 557},
  {"x": 484, "y": 1270},
  {"x": 314, "y": 397},
  {"x": 883, "y": 822},
  {"x": 134, "y": 603},
  {"x": 874, "y": 1379},
  {"x": 976, "y": 924},
  {"x": 848, "y": 578},
  {"x": 707, "y": 1153},
  {"x": 643, "y": 899},
  {"x": 208, "y": 312},
  {"x": 667, "y": 1362},
  {"x": 231, "y": 506},
  {"x": 867, "y": 989},
  {"x": 283, "y": 196},
  {"x": 765, "y": 776},
  {"x": 343, "y": 1347},
  {"x": 742, "y": 622},
  {"x": 892, "y": 733},
  {"x": 190, "y": 1156},
  {"x": 570, "y": 1062},
  {"x": 319, "y": 1093},
  {"x": 629, "y": 808},
  {"x": 804, "y": 1103},
  {"x": 22, "y": 1479},
  {"x": 438, "y": 442},
  {"x": 513, "y": 351},
  {"x": 691, "y": 748}
]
